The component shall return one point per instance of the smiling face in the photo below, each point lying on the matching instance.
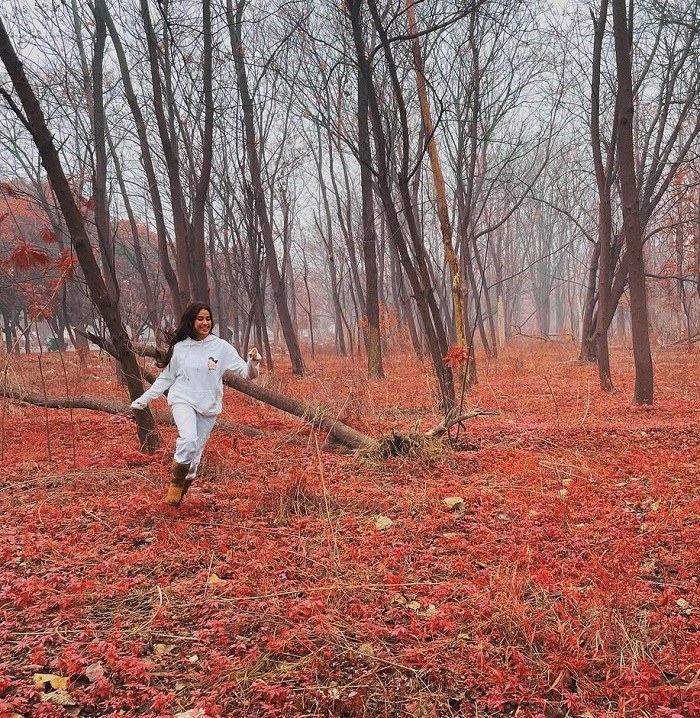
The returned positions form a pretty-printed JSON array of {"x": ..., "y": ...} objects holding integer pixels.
[{"x": 202, "y": 325}]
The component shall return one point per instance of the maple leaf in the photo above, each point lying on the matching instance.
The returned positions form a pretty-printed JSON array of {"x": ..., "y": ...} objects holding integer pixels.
[
  {"x": 456, "y": 357},
  {"x": 48, "y": 236},
  {"x": 26, "y": 256},
  {"x": 65, "y": 263}
]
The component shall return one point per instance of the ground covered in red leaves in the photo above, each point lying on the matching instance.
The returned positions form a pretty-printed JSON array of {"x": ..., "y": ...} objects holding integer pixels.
[{"x": 544, "y": 565}]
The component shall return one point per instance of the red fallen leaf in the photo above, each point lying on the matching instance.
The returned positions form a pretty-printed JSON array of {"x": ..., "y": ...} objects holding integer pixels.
[{"x": 559, "y": 604}]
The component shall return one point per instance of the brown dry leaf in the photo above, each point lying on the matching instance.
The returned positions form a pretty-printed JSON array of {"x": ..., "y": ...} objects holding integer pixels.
[
  {"x": 58, "y": 698},
  {"x": 454, "y": 502},
  {"x": 56, "y": 682},
  {"x": 94, "y": 672},
  {"x": 399, "y": 598},
  {"x": 422, "y": 708},
  {"x": 161, "y": 649},
  {"x": 382, "y": 523},
  {"x": 366, "y": 649},
  {"x": 413, "y": 605},
  {"x": 215, "y": 579}
]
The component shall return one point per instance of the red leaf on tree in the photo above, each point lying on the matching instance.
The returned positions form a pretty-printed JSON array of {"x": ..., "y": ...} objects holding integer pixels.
[
  {"x": 88, "y": 203},
  {"x": 66, "y": 263},
  {"x": 48, "y": 236},
  {"x": 26, "y": 256},
  {"x": 9, "y": 190},
  {"x": 456, "y": 357}
]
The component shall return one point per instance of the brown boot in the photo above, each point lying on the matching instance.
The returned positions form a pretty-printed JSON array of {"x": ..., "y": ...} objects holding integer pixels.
[
  {"x": 176, "y": 490},
  {"x": 186, "y": 487}
]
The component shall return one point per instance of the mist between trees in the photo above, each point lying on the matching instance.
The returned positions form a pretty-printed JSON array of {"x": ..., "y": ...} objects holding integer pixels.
[{"x": 367, "y": 176}]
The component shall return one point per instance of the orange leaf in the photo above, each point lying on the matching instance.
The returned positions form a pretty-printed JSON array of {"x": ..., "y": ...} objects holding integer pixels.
[
  {"x": 26, "y": 256},
  {"x": 48, "y": 236},
  {"x": 65, "y": 263}
]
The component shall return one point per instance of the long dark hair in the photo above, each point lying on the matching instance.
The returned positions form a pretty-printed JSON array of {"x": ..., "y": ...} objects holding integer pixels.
[{"x": 184, "y": 330}]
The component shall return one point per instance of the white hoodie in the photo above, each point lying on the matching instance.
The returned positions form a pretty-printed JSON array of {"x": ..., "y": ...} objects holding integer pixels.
[{"x": 194, "y": 374}]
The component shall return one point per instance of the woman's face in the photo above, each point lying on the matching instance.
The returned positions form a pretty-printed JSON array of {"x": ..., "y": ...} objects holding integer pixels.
[{"x": 202, "y": 325}]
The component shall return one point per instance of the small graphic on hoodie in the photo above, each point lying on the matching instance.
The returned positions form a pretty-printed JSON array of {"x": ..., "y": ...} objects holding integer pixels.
[{"x": 211, "y": 364}]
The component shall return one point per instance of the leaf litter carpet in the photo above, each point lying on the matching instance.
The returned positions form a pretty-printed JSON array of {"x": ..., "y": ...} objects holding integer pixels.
[{"x": 545, "y": 564}]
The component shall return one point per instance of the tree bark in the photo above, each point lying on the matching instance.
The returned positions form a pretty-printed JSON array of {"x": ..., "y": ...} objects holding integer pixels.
[
  {"x": 375, "y": 366},
  {"x": 198, "y": 268},
  {"x": 438, "y": 179},
  {"x": 604, "y": 174},
  {"x": 172, "y": 161},
  {"x": 644, "y": 374}
]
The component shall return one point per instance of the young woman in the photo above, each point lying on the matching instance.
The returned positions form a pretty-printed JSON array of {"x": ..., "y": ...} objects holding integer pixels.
[{"x": 194, "y": 366}]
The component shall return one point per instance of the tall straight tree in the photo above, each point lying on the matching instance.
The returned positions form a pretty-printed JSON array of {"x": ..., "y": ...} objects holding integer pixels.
[
  {"x": 369, "y": 231},
  {"x": 604, "y": 179},
  {"x": 414, "y": 260},
  {"x": 644, "y": 374},
  {"x": 189, "y": 232},
  {"x": 438, "y": 179},
  {"x": 146, "y": 158}
]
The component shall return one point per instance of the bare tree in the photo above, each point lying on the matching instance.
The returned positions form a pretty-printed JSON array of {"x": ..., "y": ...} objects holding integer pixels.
[
  {"x": 32, "y": 117},
  {"x": 644, "y": 373},
  {"x": 235, "y": 20}
]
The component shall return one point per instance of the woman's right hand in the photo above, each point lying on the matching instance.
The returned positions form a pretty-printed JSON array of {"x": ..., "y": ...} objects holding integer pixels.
[{"x": 139, "y": 403}]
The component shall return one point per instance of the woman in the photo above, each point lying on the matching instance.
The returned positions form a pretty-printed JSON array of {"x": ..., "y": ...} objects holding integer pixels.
[{"x": 194, "y": 366}]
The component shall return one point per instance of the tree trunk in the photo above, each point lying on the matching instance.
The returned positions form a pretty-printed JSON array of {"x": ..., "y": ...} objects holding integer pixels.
[
  {"x": 198, "y": 264},
  {"x": 172, "y": 161},
  {"x": 147, "y": 159},
  {"x": 375, "y": 366},
  {"x": 604, "y": 173},
  {"x": 438, "y": 179},
  {"x": 644, "y": 374},
  {"x": 415, "y": 267}
]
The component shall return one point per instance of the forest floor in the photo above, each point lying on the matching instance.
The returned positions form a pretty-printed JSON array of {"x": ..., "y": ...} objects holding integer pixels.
[{"x": 545, "y": 564}]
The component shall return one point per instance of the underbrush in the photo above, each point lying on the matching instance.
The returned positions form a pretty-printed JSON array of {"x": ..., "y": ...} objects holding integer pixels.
[{"x": 544, "y": 564}]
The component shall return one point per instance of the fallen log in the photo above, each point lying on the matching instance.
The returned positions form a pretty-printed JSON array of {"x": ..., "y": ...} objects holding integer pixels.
[
  {"x": 108, "y": 407},
  {"x": 61, "y": 402},
  {"x": 314, "y": 415},
  {"x": 318, "y": 417}
]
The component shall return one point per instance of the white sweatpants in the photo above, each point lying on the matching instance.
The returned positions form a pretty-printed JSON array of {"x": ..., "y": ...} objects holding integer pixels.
[{"x": 193, "y": 429}]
